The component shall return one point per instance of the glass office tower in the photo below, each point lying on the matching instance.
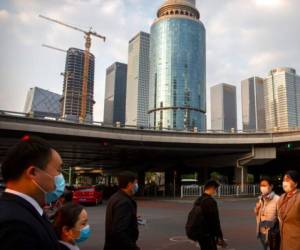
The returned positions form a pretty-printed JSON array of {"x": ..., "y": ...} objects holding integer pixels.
[
  {"x": 253, "y": 107},
  {"x": 177, "y": 91},
  {"x": 223, "y": 107},
  {"x": 282, "y": 99},
  {"x": 115, "y": 94},
  {"x": 137, "y": 92},
  {"x": 41, "y": 103}
]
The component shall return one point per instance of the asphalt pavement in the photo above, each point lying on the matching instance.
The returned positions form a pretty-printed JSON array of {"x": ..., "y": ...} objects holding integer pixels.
[{"x": 166, "y": 219}]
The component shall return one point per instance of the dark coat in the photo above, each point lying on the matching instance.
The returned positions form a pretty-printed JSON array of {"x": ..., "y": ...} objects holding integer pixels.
[
  {"x": 63, "y": 247},
  {"x": 211, "y": 216},
  {"x": 22, "y": 227},
  {"x": 121, "y": 228}
]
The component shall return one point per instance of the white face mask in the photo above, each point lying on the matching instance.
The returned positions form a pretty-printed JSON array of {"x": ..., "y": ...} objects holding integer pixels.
[
  {"x": 264, "y": 190},
  {"x": 287, "y": 186}
]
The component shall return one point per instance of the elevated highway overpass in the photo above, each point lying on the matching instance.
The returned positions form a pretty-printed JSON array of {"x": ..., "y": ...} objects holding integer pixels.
[{"x": 141, "y": 149}]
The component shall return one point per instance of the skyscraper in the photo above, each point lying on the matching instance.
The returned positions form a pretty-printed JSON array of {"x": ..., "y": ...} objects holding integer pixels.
[
  {"x": 253, "y": 107},
  {"x": 115, "y": 94},
  {"x": 42, "y": 103},
  {"x": 72, "y": 89},
  {"x": 223, "y": 107},
  {"x": 282, "y": 99},
  {"x": 137, "y": 93},
  {"x": 177, "y": 98}
]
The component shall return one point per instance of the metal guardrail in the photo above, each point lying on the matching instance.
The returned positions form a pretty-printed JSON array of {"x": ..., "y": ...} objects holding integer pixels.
[
  {"x": 122, "y": 126},
  {"x": 223, "y": 191}
]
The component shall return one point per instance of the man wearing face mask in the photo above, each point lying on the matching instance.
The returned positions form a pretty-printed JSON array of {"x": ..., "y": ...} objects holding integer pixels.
[
  {"x": 32, "y": 174},
  {"x": 266, "y": 215},
  {"x": 289, "y": 212},
  {"x": 121, "y": 227},
  {"x": 207, "y": 225}
]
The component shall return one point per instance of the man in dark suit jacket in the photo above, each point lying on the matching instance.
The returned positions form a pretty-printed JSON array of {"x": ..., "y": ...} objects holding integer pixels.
[
  {"x": 121, "y": 230},
  {"x": 29, "y": 171}
]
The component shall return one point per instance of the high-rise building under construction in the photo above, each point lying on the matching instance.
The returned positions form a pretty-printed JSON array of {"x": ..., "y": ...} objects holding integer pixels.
[{"x": 73, "y": 84}]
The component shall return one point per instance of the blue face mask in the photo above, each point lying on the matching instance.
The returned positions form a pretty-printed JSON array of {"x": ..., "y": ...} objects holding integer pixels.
[
  {"x": 85, "y": 233},
  {"x": 59, "y": 189},
  {"x": 136, "y": 188},
  {"x": 60, "y": 183}
]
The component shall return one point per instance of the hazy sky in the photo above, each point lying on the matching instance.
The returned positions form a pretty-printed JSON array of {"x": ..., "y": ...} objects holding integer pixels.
[{"x": 244, "y": 38}]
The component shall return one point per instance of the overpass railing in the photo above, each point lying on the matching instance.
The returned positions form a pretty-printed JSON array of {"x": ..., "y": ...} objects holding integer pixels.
[
  {"x": 161, "y": 129},
  {"x": 223, "y": 191}
]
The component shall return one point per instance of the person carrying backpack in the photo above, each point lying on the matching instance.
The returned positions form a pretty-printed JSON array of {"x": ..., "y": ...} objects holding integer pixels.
[{"x": 203, "y": 224}]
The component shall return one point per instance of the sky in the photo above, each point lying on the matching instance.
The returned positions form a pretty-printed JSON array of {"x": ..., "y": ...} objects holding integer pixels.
[{"x": 244, "y": 38}]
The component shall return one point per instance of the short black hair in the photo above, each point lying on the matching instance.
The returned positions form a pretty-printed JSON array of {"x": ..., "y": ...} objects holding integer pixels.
[
  {"x": 267, "y": 179},
  {"x": 29, "y": 151},
  {"x": 66, "y": 216},
  {"x": 294, "y": 175},
  {"x": 126, "y": 177},
  {"x": 211, "y": 183}
]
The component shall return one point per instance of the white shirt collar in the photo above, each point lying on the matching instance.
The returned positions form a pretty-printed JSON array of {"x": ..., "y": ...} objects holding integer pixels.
[
  {"x": 72, "y": 247},
  {"x": 26, "y": 197}
]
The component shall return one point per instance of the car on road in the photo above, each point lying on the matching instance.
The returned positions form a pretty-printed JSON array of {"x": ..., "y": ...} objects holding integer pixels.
[{"x": 88, "y": 195}]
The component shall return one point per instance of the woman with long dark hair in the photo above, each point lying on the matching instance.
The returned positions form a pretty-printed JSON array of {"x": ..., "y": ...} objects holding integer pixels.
[{"x": 71, "y": 226}]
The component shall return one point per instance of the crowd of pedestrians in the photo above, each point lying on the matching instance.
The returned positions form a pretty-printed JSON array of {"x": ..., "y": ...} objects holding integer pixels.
[{"x": 37, "y": 212}]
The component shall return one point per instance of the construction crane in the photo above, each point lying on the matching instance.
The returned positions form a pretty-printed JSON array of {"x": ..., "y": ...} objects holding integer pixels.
[
  {"x": 67, "y": 75},
  {"x": 52, "y": 47},
  {"x": 88, "y": 43}
]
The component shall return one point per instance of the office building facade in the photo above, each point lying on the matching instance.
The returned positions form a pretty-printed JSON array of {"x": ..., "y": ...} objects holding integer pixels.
[
  {"x": 115, "y": 94},
  {"x": 137, "y": 93},
  {"x": 253, "y": 106},
  {"x": 41, "y": 103},
  {"x": 177, "y": 93},
  {"x": 223, "y": 107},
  {"x": 72, "y": 89},
  {"x": 282, "y": 99}
]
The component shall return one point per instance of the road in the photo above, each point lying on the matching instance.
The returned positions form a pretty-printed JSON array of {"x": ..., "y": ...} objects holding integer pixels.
[{"x": 165, "y": 225}]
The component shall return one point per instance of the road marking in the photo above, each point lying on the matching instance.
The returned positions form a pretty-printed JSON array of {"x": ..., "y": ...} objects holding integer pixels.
[
  {"x": 180, "y": 239},
  {"x": 185, "y": 239}
]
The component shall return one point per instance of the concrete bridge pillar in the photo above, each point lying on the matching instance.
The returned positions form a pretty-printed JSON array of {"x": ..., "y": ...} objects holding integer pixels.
[
  {"x": 240, "y": 175},
  {"x": 258, "y": 156}
]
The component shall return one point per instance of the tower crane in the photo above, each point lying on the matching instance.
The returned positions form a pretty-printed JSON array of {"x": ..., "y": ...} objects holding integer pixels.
[
  {"x": 52, "y": 47},
  {"x": 67, "y": 75},
  {"x": 88, "y": 43}
]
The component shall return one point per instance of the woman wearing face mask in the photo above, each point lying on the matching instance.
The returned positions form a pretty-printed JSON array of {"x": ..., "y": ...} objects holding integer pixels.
[
  {"x": 289, "y": 212},
  {"x": 266, "y": 214},
  {"x": 71, "y": 226}
]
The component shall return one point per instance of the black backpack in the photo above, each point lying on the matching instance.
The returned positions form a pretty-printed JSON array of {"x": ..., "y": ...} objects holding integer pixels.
[{"x": 195, "y": 224}]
